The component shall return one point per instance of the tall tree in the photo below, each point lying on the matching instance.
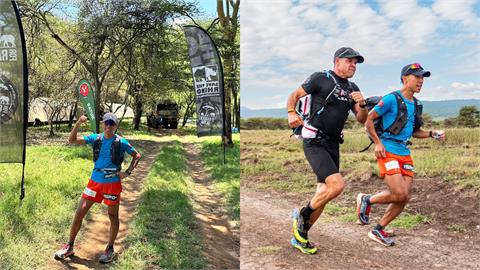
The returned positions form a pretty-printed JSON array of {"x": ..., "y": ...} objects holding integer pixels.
[
  {"x": 228, "y": 17},
  {"x": 106, "y": 29}
]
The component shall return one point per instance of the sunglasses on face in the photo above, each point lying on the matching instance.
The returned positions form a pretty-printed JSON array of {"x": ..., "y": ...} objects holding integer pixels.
[{"x": 110, "y": 122}]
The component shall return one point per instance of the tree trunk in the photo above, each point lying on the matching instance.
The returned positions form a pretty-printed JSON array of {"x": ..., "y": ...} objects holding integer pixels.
[
  {"x": 98, "y": 87},
  {"x": 138, "y": 107},
  {"x": 72, "y": 115}
]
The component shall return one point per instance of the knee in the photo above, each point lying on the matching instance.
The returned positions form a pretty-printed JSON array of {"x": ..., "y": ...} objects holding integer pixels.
[
  {"x": 337, "y": 189},
  {"x": 402, "y": 197}
]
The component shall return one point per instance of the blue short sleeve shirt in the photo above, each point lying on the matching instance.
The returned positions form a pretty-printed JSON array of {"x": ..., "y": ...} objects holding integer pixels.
[
  {"x": 387, "y": 108},
  {"x": 104, "y": 160}
]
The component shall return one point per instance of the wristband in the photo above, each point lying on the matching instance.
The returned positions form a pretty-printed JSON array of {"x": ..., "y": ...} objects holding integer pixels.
[
  {"x": 363, "y": 106},
  {"x": 431, "y": 134},
  {"x": 291, "y": 110},
  {"x": 128, "y": 172}
]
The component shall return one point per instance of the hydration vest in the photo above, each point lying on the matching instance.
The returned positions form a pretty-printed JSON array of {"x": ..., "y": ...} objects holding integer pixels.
[
  {"x": 116, "y": 154},
  {"x": 400, "y": 120},
  {"x": 304, "y": 109}
]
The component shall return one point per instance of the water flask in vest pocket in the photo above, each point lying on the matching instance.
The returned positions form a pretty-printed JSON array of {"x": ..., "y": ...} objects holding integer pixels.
[{"x": 308, "y": 131}]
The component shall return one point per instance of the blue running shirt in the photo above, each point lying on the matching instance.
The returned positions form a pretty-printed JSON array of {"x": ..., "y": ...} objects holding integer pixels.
[
  {"x": 387, "y": 108},
  {"x": 104, "y": 160}
]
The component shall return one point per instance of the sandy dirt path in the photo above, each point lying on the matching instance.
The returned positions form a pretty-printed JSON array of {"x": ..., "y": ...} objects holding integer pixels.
[
  {"x": 221, "y": 236},
  {"x": 266, "y": 231}
]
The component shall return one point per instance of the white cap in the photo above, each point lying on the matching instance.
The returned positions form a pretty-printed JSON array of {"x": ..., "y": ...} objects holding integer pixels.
[{"x": 110, "y": 116}]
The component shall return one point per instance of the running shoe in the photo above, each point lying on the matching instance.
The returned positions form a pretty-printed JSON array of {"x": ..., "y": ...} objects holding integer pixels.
[
  {"x": 298, "y": 227},
  {"x": 363, "y": 209},
  {"x": 381, "y": 237},
  {"x": 107, "y": 256},
  {"x": 307, "y": 248},
  {"x": 64, "y": 253}
]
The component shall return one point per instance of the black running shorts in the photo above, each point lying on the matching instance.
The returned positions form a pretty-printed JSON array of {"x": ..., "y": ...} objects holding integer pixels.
[{"x": 324, "y": 158}]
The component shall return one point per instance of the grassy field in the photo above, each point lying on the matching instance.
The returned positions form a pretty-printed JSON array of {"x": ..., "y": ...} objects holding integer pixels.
[
  {"x": 55, "y": 177},
  {"x": 272, "y": 160}
]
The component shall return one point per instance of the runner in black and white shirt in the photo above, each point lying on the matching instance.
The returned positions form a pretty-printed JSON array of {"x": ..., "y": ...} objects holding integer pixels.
[{"x": 322, "y": 148}]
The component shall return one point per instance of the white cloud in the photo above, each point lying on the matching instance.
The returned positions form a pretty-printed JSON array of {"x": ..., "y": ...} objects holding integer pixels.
[
  {"x": 466, "y": 86},
  {"x": 459, "y": 10},
  {"x": 455, "y": 90},
  {"x": 282, "y": 42}
]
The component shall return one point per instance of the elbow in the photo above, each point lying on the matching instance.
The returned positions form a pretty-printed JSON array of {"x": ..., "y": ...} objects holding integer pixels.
[{"x": 362, "y": 120}]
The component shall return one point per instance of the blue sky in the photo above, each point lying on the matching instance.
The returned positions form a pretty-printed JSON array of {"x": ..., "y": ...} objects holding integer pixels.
[
  {"x": 284, "y": 41},
  {"x": 209, "y": 7}
]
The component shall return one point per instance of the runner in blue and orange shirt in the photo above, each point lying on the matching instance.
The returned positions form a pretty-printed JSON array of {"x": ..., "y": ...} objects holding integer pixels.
[
  {"x": 392, "y": 153},
  {"x": 105, "y": 182}
]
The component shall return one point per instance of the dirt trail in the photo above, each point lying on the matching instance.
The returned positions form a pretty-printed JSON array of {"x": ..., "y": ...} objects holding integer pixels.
[
  {"x": 266, "y": 231},
  {"x": 94, "y": 236},
  {"x": 220, "y": 235}
]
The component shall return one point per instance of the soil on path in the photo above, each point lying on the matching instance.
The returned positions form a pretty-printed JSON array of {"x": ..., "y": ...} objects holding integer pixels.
[
  {"x": 266, "y": 231},
  {"x": 221, "y": 238},
  {"x": 94, "y": 236}
]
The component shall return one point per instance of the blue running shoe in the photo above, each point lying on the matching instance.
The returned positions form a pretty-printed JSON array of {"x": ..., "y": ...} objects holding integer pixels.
[
  {"x": 363, "y": 209},
  {"x": 306, "y": 248},
  {"x": 381, "y": 237},
  {"x": 298, "y": 227}
]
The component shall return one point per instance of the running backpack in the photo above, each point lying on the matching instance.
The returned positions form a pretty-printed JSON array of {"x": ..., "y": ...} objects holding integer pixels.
[
  {"x": 400, "y": 120},
  {"x": 116, "y": 154},
  {"x": 303, "y": 109}
]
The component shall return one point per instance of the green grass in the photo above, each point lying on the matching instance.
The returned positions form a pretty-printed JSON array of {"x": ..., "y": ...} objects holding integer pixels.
[
  {"x": 226, "y": 176},
  {"x": 164, "y": 233},
  {"x": 268, "y": 250},
  {"x": 55, "y": 177},
  {"x": 460, "y": 228},
  {"x": 408, "y": 221}
]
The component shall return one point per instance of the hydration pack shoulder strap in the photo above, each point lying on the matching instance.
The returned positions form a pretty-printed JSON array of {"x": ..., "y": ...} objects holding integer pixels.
[
  {"x": 116, "y": 152},
  {"x": 418, "y": 122},
  {"x": 402, "y": 116},
  {"x": 97, "y": 145}
]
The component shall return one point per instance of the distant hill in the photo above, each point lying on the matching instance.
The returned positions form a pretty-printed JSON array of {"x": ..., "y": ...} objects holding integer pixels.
[{"x": 437, "y": 109}]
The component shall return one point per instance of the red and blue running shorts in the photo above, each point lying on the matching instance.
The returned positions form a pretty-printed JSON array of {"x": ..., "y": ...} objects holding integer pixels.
[
  {"x": 395, "y": 164},
  {"x": 109, "y": 193}
]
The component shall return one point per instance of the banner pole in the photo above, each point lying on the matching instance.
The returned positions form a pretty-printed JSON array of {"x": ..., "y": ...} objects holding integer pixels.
[{"x": 25, "y": 97}]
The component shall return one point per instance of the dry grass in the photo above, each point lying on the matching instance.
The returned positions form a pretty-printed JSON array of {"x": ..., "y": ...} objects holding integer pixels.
[{"x": 271, "y": 159}]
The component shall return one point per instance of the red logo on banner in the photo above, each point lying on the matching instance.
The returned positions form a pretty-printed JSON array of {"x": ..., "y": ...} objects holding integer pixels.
[{"x": 84, "y": 90}]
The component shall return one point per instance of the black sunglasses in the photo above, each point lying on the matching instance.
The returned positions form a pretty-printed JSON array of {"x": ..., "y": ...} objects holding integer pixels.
[{"x": 110, "y": 122}]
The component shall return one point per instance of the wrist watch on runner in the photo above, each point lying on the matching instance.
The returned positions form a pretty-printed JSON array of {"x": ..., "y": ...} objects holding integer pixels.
[{"x": 128, "y": 172}]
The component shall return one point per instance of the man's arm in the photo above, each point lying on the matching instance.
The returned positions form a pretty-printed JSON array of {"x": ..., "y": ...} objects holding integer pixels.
[
  {"x": 135, "y": 159},
  {"x": 294, "y": 120},
  {"x": 73, "y": 138},
  {"x": 359, "y": 112},
  {"x": 379, "y": 148},
  {"x": 436, "y": 134}
]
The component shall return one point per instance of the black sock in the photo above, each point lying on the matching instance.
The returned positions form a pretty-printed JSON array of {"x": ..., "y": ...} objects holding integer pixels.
[
  {"x": 109, "y": 247},
  {"x": 71, "y": 244},
  {"x": 378, "y": 227},
  {"x": 367, "y": 200},
  {"x": 306, "y": 212}
]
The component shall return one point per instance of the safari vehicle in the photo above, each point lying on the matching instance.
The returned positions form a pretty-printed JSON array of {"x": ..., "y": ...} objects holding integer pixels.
[{"x": 164, "y": 114}]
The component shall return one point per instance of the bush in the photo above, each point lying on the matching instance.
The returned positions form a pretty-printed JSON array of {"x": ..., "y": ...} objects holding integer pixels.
[{"x": 263, "y": 123}]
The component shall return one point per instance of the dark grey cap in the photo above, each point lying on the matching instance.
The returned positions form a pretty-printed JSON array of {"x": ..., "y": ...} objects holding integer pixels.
[
  {"x": 415, "y": 69},
  {"x": 347, "y": 52}
]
